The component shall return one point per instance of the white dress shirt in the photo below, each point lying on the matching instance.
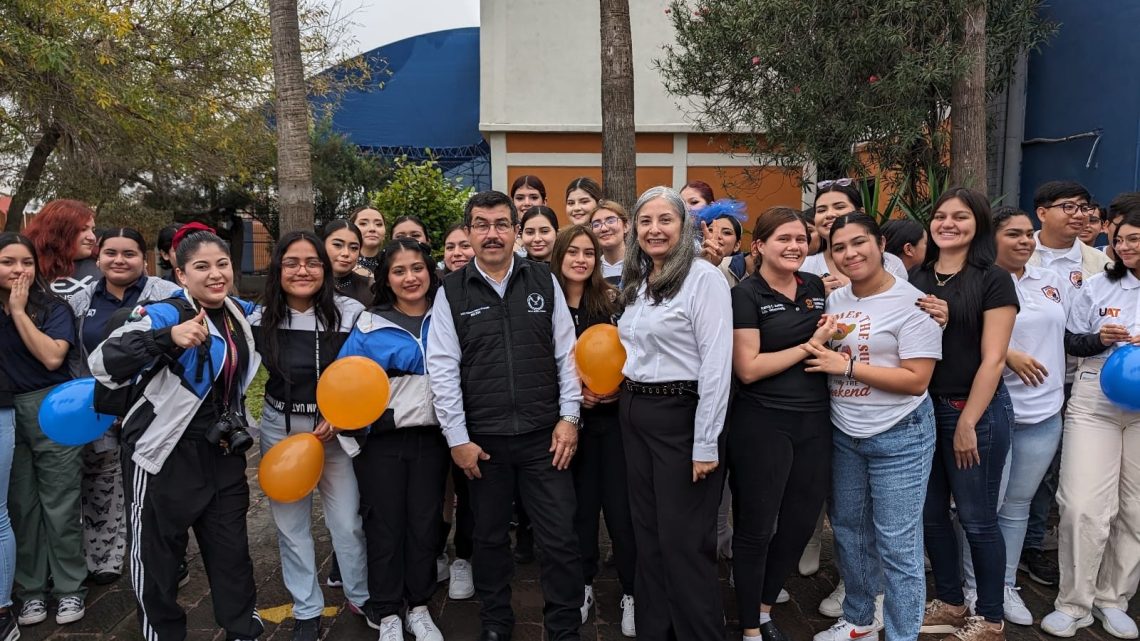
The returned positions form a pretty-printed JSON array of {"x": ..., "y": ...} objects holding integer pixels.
[
  {"x": 444, "y": 355},
  {"x": 686, "y": 338}
]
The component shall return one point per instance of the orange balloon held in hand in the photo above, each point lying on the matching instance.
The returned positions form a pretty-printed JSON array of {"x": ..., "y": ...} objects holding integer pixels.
[
  {"x": 600, "y": 357},
  {"x": 353, "y": 392},
  {"x": 290, "y": 470}
]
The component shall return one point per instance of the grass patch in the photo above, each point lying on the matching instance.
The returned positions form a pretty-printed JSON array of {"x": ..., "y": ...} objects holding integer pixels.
[{"x": 255, "y": 395}]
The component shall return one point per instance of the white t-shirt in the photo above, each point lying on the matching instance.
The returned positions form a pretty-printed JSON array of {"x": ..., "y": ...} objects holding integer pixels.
[
  {"x": 880, "y": 330},
  {"x": 611, "y": 270},
  {"x": 817, "y": 264},
  {"x": 1101, "y": 302},
  {"x": 1039, "y": 331}
]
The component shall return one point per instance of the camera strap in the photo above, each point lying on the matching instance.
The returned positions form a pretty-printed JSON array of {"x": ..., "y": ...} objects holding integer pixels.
[{"x": 229, "y": 370}]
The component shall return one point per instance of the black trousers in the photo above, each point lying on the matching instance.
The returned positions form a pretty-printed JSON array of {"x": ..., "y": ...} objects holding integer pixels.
[
  {"x": 525, "y": 461},
  {"x": 464, "y": 517},
  {"x": 674, "y": 521},
  {"x": 600, "y": 483},
  {"x": 780, "y": 464},
  {"x": 401, "y": 475},
  {"x": 198, "y": 487}
]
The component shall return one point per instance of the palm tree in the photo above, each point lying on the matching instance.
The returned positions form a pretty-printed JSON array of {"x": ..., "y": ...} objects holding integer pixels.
[{"x": 619, "y": 155}]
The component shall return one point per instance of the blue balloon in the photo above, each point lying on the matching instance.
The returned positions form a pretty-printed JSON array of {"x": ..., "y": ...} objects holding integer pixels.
[
  {"x": 1120, "y": 378},
  {"x": 67, "y": 415}
]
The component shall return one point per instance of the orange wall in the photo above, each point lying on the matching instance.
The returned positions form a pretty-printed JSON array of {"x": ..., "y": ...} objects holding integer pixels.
[
  {"x": 557, "y": 178},
  {"x": 758, "y": 187},
  {"x": 581, "y": 143}
]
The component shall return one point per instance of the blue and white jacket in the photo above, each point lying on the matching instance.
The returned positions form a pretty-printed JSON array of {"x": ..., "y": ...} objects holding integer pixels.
[
  {"x": 172, "y": 396},
  {"x": 402, "y": 357}
]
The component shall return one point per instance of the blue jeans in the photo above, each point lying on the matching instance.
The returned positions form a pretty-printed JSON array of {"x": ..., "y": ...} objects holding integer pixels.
[
  {"x": 1033, "y": 448},
  {"x": 878, "y": 485},
  {"x": 975, "y": 491},
  {"x": 7, "y": 539}
]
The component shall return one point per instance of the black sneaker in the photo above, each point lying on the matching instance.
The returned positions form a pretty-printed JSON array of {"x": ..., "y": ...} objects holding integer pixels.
[
  {"x": 307, "y": 629},
  {"x": 769, "y": 632},
  {"x": 100, "y": 578},
  {"x": 1040, "y": 567},
  {"x": 334, "y": 580},
  {"x": 9, "y": 631}
]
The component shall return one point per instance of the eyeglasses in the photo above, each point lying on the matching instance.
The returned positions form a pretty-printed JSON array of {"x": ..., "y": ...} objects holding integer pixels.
[
  {"x": 502, "y": 226},
  {"x": 608, "y": 221},
  {"x": 841, "y": 182},
  {"x": 1073, "y": 208},
  {"x": 1132, "y": 240},
  {"x": 293, "y": 264},
  {"x": 1094, "y": 220}
]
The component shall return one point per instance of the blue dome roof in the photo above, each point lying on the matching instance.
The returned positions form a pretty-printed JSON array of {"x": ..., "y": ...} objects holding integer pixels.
[{"x": 430, "y": 99}]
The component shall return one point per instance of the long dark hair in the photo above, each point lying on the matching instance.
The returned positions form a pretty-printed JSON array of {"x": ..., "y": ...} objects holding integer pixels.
[
  {"x": 1116, "y": 269},
  {"x": 338, "y": 224},
  {"x": 598, "y": 296},
  {"x": 902, "y": 232},
  {"x": 276, "y": 311},
  {"x": 385, "y": 297},
  {"x": 980, "y": 255},
  {"x": 40, "y": 296}
]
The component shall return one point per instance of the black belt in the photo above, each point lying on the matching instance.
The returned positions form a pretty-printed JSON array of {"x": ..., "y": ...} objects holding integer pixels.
[{"x": 672, "y": 388}]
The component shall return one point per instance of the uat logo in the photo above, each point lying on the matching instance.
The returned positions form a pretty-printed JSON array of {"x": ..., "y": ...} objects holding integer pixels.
[
  {"x": 1076, "y": 278},
  {"x": 1111, "y": 312},
  {"x": 1051, "y": 293}
]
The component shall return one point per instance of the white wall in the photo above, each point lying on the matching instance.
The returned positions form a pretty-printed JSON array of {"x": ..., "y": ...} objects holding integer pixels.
[{"x": 541, "y": 66}]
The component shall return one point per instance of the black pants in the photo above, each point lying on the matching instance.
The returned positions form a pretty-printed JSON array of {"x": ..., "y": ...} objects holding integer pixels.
[
  {"x": 525, "y": 460},
  {"x": 401, "y": 475},
  {"x": 674, "y": 521},
  {"x": 600, "y": 483},
  {"x": 464, "y": 517},
  {"x": 198, "y": 487},
  {"x": 781, "y": 472}
]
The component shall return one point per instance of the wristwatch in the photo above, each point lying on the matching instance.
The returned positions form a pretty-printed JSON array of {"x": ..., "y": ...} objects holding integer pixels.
[{"x": 573, "y": 420}]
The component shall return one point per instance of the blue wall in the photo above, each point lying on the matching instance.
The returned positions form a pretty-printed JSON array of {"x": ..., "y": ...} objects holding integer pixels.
[{"x": 1087, "y": 77}]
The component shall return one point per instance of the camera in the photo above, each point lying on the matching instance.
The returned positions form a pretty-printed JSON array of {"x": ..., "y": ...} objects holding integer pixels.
[{"x": 230, "y": 434}]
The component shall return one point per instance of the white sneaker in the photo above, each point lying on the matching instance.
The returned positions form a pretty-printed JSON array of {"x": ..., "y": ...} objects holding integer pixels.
[
  {"x": 809, "y": 560},
  {"x": 390, "y": 629},
  {"x": 33, "y": 611},
  {"x": 1059, "y": 624},
  {"x": 783, "y": 596},
  {"x": 844, "y": 631},
  {"x": 70, "y": 610},
  {"x": 420, "y": 624},
  {"x": 462, "y": 584},
  {"x": 879, "y": 598},
  {"x": 832, "y": 606},
  {"x": 628, "y": 625},
  {"x": 971, "y": 596},
  {"x": 1116, "y": 622},
  {"x": 1014, "y": 607},
  {"x": 442, "y": 570},
  {"x": 587, "y": 602}
]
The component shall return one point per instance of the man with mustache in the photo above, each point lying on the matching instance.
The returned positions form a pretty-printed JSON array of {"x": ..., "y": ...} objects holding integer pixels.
[{"x": 507, "y": 394}]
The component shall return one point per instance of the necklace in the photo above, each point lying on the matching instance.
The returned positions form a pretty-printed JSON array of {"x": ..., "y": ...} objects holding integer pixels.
[
  {"x": 886, "y": 282},
  {"x": 940, "y": 282}
]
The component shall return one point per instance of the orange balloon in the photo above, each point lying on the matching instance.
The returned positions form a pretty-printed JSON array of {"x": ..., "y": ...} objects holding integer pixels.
[
  {"x": 290, "y": 470},
  {"x": 353, "y": 392},
  {"x": 600, "y": 357}
]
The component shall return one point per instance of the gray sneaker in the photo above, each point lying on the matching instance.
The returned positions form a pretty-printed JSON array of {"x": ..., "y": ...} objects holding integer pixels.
[
  {"x": 70, "y": 610},
  {"x": 32, "y": 612}
]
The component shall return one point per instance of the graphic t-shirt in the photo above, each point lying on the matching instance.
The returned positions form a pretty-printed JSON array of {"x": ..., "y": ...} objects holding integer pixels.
[
  {"x": 880, "y": 330},
  {"x": 85, "y": 273}
]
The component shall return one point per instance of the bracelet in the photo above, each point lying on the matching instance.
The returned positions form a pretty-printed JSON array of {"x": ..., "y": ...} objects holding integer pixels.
[{"x": 850, "y": 368}]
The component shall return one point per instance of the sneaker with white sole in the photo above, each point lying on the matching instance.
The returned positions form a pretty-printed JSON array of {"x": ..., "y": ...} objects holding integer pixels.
[
  {"x": 420, "y": 624},
  {"x": 462, "y": 584},
  {"x": 1116, "y": 622},
  {"x": 879, "y": 599},
  {"x": 442, "y": 569},
  {"x": 1059, "y": 624},
  {"x": 9, "y": 631},
  {"x": 1014, "y": 607},
  {"x": 628, "y": 624},
  {"x": 783, "y": 596},
  {"x": 33, "y": 611},
  {"x": 846, "y": 631},
  {"x": 390, "y": 629},
  {"x": 70, "y": 610},
  {"x": 832, "y": 605},
  {"x": 587, "y": 602}
]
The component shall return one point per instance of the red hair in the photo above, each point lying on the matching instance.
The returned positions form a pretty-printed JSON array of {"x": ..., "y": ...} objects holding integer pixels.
[
  {"x": 54, "y": 231},
  {"x": 702, "y": 188}
]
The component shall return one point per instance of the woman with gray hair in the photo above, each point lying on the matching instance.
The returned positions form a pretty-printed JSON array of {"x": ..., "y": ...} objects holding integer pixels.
[{"x": 677, "y": 334}]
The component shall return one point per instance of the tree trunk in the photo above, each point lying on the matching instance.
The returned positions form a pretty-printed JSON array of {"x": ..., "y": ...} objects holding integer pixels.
[
  {"x": 294, "y": 169},
  {"x": 968, "y": 104},
  {"x": 30, "y": 181},
  {"x": 619, "y": 154}
]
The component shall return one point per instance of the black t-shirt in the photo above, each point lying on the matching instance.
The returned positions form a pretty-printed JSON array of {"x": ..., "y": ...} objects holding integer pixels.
[
  {"x": 86, "y": 272},
  {"x": 782, "y": 323},
  {"x": 602, "y": 417},
  {"x": 410, "y": 324},
  {"x": 22, "y": 370},
  {"x": 962, "y": 338}
]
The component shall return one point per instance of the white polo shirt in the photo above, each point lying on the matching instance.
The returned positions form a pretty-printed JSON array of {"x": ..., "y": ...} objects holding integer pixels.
[
  {"x": 1040, "y": 332},
  {"x": 1102, "y": 302}
]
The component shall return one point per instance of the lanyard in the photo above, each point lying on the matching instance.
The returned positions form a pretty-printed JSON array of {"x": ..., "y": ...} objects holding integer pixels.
[{"x": 230, "y": 365}]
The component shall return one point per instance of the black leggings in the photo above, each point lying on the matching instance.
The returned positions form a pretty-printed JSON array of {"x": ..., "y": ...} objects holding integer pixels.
[{"x": 780, "y": 465}]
